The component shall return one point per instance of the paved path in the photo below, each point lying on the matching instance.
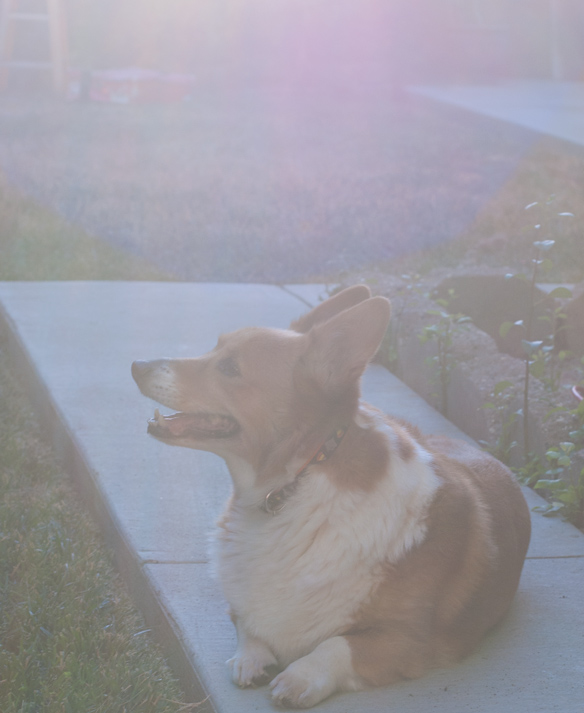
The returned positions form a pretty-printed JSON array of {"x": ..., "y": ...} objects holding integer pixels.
[
  {"x": 553, "y": 108},
  {"x": 263, "y": 182},
  {"x": 75, "y": 342}
]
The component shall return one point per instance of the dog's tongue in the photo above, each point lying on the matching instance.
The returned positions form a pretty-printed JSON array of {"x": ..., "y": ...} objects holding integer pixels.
[{"x": 178, "y": 425}]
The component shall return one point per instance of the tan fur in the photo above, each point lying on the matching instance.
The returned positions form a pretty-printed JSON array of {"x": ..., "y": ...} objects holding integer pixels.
[
  {"x": 334, "y": 305},
  {"x": 362, "y": 461},
  {"x": 435, "y": 605},
  {"x": 465, "y": 524}
]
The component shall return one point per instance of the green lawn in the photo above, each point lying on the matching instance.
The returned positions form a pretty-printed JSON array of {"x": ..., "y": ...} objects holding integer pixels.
[
  {"x": 36, "y": 244},
  {"x": 551, "y": 174},
  {"x": 71, "y": 640},
  {"x": 70, "y": 637}
]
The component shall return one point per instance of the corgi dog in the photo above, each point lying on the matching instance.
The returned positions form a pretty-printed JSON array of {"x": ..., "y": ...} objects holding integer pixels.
[{"x": 354, "y": 551}]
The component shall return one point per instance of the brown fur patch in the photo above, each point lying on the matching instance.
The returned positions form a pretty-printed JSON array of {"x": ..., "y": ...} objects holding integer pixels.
[
  {"x": 361, "y": 460},
  {"x": 435, "y": 605}
]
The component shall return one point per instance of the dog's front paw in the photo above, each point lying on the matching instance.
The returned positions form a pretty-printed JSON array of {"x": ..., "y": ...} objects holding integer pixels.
[
  {"x": 254, "y": 666},
  {"x": 302, "y": 685}
]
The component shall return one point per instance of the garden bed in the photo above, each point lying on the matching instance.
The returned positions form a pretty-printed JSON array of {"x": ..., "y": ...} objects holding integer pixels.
[{"x": 467, "y": 374}]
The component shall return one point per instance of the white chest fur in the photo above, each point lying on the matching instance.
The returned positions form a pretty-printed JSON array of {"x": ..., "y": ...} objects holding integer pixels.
[{"x": 299, "y": 577}]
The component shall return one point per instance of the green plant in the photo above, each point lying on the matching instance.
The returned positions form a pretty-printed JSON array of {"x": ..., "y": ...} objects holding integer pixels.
[
  {"x": 539, "y": 355},
  {"x": 554, "y": 476},
  {"x": 548, "y": 364},
  {"x": 501, "y": 402},
  {"x": 441, "y": 332},
  {"x": 531, "y": 470},
  {"x": 564, "y": 489}
]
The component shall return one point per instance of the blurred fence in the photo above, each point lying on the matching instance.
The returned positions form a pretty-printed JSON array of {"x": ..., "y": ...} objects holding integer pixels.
[{"x": 421, "y": 40}]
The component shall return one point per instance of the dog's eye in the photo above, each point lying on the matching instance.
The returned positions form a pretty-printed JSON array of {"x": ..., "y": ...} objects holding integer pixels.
[{"x": 228, "y": 367}]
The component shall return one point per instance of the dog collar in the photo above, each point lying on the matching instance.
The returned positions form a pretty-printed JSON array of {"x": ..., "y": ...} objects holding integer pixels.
[{"x": 276, "y": 499}]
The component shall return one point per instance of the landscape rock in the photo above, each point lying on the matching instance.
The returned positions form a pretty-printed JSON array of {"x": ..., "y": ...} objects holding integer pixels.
[{"x": 492, "y": 300}]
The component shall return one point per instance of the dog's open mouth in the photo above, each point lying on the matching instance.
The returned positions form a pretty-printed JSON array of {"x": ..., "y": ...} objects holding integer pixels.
[{"x": 192, "y": 425}]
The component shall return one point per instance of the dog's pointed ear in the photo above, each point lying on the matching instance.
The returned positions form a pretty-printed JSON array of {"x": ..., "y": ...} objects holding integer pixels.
[
  {"x": 329, "y": 308},
  {"x": 340, "y": 349}
]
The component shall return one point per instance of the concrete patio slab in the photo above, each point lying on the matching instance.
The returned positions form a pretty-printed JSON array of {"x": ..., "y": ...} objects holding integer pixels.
[
  {"x": 554, "y": 108},
  {"x": 74, "y": 343}
]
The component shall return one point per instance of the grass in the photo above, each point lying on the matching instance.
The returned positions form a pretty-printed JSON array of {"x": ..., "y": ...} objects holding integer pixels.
[
  {"x": 36, "y": 244},
  {"x": 71, "y": 639},
  {"x": 501, "y": 236}
]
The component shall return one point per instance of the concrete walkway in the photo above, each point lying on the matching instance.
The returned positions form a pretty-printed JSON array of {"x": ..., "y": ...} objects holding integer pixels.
[
  {"x": 554, "y": 108},
  {"x": 74, "y": 343}
]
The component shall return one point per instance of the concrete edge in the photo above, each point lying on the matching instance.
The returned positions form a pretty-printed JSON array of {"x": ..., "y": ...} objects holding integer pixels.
[{"x": 69, "y": 453}]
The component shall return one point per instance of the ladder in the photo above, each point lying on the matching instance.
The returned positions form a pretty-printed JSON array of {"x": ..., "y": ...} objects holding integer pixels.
[{"x": 12, "y": 19}]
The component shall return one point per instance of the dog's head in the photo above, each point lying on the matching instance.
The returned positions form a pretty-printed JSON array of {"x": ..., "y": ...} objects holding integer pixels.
[{"x": 265, "y": 391}]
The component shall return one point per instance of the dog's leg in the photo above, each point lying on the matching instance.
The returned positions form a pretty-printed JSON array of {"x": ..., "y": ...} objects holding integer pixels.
[
  {"x": 352, "y": 663},
  {"x": 312, "y": 678},
  {"x": 253, "y": 664}
]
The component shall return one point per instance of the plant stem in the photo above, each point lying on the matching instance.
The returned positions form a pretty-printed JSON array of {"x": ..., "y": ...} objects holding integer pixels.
[
  {"x": 443, "y": 344},
  {"x": 526, "y": 443},
  {"x": 526, "y": 412},
  {"x": 532, "y": 296}
]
